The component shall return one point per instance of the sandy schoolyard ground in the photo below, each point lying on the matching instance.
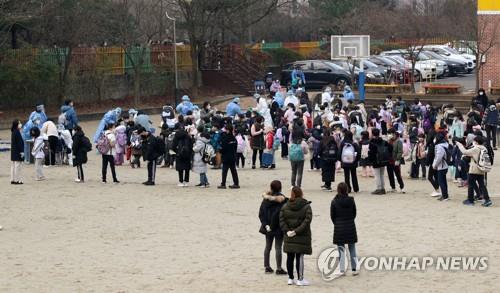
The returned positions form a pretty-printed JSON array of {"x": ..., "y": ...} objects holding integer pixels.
[{"x": 60, "y": 236}]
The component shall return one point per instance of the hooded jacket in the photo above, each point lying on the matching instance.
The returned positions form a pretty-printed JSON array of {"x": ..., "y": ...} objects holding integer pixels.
[
  {"x": 233, "y": 109},
  {"x": 348, "y": 94},
  {"x": 297, "y": 216},
  {"x": 199, "y": 146},
  {"x": 71, "y": 118},
  {"x": 269, "y": 214},
  {"x": 342, "y": 214},
  {"x": 439, "y": 162}
]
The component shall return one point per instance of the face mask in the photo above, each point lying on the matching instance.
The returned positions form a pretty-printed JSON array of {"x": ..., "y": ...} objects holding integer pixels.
[
  {"x": 481, "y": 93},
  {"x": 390, "y": 136},
  {"x": 421, "y": 139},
  {"x": 20, "y": 125}
]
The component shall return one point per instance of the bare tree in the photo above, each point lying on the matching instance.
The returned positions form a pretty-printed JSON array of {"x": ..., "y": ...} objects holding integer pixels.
[{"x": 136, "y": 31}]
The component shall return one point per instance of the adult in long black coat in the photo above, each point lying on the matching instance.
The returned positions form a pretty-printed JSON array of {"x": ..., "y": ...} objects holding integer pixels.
[
  {"x": 16, "y": 152},
  {"x": 343, "y": 213},
  {"x": 81, "y": 146},
  {"x": 183, "y": 147}
]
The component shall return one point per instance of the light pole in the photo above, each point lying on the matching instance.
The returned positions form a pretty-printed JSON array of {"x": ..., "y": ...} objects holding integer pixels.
[{"x": 175, "y": 60}]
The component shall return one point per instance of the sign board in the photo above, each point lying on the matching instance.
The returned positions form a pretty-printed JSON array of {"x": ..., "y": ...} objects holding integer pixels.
[
  {"x": 488, "y": 7},
  {"x": 350, "y": 47}
]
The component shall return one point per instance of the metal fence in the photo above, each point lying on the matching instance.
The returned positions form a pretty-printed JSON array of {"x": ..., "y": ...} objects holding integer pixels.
[{"x": 112, "y": 60}]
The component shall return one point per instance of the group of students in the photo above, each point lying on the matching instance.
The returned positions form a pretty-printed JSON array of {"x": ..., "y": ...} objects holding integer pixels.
[{"x": 337, "y": 134}]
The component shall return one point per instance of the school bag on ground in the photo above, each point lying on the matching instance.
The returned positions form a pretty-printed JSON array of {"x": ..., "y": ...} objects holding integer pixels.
[
  {"x": 103, "y": 145},
  {"x": 295, "y": 153},
  {"x": 348, "y": 154},
  {"x": 484, "y": 161}
]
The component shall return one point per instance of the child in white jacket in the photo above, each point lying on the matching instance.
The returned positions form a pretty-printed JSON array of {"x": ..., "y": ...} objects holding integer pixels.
[{"x": 38, "y": 153}]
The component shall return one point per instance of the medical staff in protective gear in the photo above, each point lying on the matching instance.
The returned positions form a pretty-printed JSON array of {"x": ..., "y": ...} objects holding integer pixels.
[
  {"x": 185, "y": 106},
  {"x": 111, "y": 117}
]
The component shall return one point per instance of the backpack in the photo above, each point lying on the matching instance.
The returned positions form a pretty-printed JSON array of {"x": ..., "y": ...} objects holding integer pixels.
[
  {"x": 276, "y": 142},
  {"x": 121, "y": 138},
  {"x": 295, "y": 154},
  {"x": 330, "y": 152},
  {"x": 241, "y": 144},
  {"x": 365, "y": 148},
  {"x": 383, "y": 155},
  {"x": 183, "y": 149},
  {"x": 159, "y": 147},
  {"x": 448, "y": 157},
  {"x": 484, "y": 163},
  {"x": 348, "y": 154},
  {"x": 358, "y": 117},
  {"x": 86, "y": 145},
  {"x": 208, "y": 154},
  {"x": 103, "y": 145}
]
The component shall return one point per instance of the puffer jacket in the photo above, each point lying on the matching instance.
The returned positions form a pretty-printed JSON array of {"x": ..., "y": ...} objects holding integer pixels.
[
  {"x": 199, "y": 166},
  {"x": 439, "y": 162},
  {"x": 297, "y": 216},
  {"x": 342, "y": 214}
]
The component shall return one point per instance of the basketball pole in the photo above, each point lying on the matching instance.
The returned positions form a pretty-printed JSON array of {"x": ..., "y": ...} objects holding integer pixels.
[{"x": 361, "y": 82}]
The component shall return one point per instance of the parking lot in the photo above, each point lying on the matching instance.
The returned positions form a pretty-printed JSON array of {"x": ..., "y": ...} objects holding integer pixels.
[{"x": 467, "y": 81}]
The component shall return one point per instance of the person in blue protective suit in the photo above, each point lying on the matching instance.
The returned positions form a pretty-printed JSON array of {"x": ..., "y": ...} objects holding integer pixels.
[
  {"x": 144, "y": 121},
  {"x": 40, "y": 112},
  {"x": 297, "y": 73},
  {"x": 111, "y": 117},
  {"x": 70, "y": 118},
  {"x": 233, "y": 108},
  {"x": 348, "y": 94},
  {"x": 185, "y": 106},
  {"x": 278, "y": 97},
  {"x": 34, "y": 122}
]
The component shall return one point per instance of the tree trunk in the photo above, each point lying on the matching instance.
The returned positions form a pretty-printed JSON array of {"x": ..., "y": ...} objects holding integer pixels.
[
  {"x": 194, "y": 68},
  {"x": 64, "y": 77},
  {"x": 412, "y": 76},
  {"x": 137, "y": 86}
]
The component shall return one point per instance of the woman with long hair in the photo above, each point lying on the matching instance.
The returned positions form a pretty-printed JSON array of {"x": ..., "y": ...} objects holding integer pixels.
[
  {"x": 16, "y": 152},
  {"x": 295, "y": 222},
  {"x": 343, "y": 213}
]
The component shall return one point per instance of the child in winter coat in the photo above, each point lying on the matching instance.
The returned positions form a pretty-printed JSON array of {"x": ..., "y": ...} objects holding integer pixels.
[
  {"x": 240, "y": 149},
  {"x": 136, "y": 149},
  {"x": 38, "y": 153},
  {"x": 199, "y": 166},
  {"x": 121, "y": 144},
  {"x": 269, "y": 145},
  {"x": 364, "y": 162}
]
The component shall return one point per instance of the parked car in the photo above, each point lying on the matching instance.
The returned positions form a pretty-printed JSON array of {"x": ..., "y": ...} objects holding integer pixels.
[
  {"x": 451, "y": 53},
  {"x": 455, "y": 66},
  {"x": 425, "y": 68},
  {"x": 372, "y": 75},
  {"x": 395, "y": 70},
  {"x": 318, "y": 74}
]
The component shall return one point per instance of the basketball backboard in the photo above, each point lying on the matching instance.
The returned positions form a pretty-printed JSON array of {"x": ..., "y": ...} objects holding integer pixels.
[{"x": 343, "y": 47}]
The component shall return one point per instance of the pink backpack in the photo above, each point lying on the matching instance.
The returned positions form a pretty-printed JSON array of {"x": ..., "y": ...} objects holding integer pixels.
[{"x": 241, "y": 144}]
